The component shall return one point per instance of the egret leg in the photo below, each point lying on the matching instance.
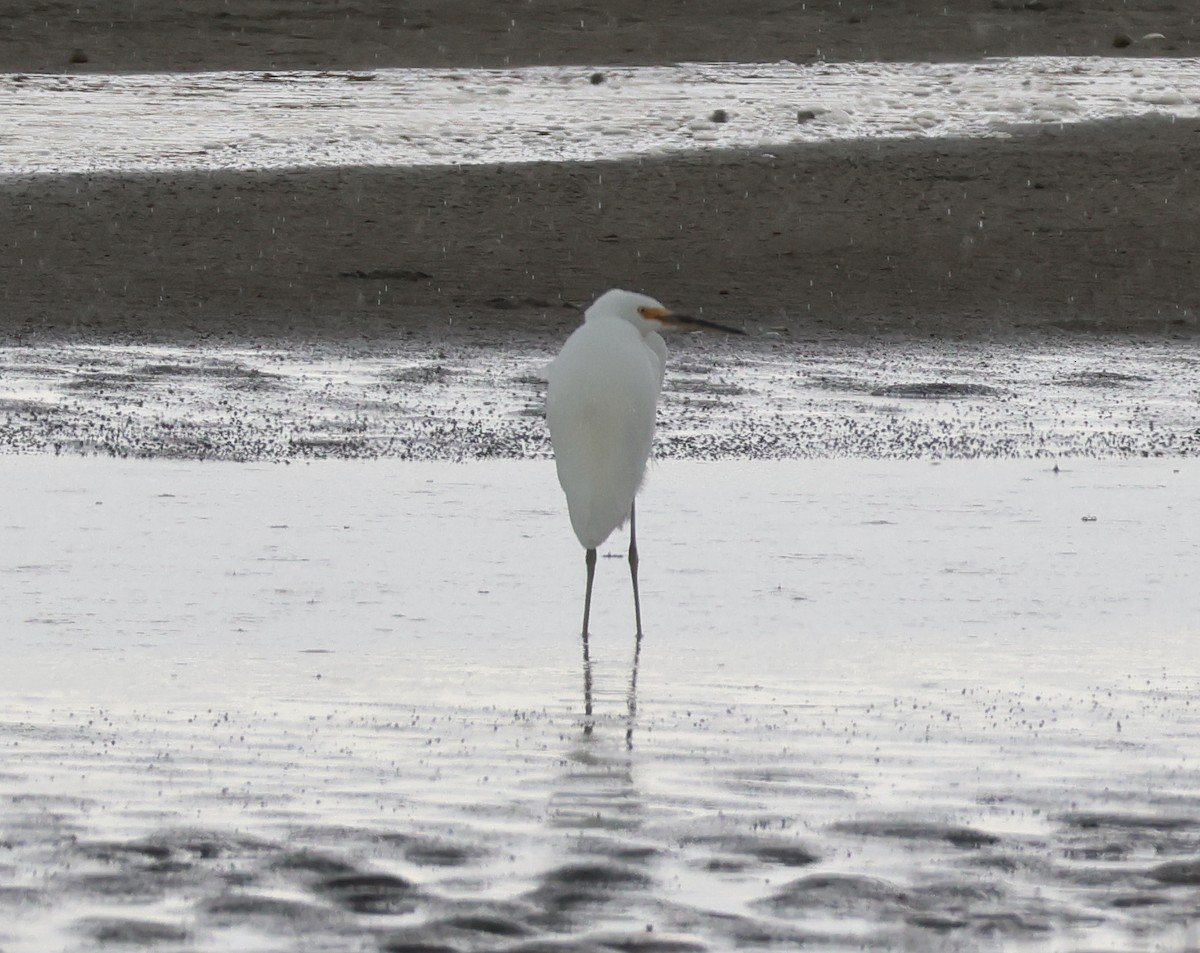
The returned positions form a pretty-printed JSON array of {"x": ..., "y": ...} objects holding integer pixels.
[
  {"x": 590, "y": 560},
  {"x": 631, "y": 699},
  {"x": 633, "y": 567},
  {"x": 589, "y": 721}
]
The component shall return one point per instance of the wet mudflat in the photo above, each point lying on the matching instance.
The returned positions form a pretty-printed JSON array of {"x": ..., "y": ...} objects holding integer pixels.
[
  {"x": 63, "y": 124},
  {"x": 342, "y": 705},
  {"x": 767, "y": 397}
]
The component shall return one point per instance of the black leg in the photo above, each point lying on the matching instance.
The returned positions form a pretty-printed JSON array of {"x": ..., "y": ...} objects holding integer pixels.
[
  {"x": 589, "y": 721},
  {"x": 590, "y": 560},
  {"x": 631, "y": 699},
  {"x": 633, "y": 567}
]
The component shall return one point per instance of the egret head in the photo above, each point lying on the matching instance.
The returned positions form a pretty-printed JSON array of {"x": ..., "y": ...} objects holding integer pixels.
[{"x": 645, "y": 313}]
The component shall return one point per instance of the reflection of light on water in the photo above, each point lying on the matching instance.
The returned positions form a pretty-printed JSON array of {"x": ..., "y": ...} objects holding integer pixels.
[
  {"x": 401, "y": 697},
  {"x": 450, "y": 117}
]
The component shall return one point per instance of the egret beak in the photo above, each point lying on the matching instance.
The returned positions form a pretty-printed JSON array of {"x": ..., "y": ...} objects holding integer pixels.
[{"x": 685, "y": 322}]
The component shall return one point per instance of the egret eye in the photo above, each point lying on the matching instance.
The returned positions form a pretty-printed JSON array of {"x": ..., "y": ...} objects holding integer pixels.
[{"x": 642, "y": 310}]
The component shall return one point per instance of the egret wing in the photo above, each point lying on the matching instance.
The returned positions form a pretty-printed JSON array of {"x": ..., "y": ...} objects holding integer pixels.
[{"x": 600, "y": 406}]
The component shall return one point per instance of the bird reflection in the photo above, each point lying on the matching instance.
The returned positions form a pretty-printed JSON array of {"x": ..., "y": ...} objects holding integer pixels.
[
  {"x": 589, "y": 721},
  {"x": 602, "y": 865},
  {"x": 631, "y": 696},
  {"x": 631, "y": 704},
  {"x": 597, "y": 788}
]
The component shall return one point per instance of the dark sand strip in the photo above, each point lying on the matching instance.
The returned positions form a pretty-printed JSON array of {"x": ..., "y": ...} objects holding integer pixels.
[
  {"x": 166, "y": 35},
  {"x": 1084, "y": 228}
]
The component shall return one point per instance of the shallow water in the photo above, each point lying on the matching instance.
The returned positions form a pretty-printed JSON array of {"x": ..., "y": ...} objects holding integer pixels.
[
  {"x": 163, "y": 122},
  {"x": 342, "y": 705}
]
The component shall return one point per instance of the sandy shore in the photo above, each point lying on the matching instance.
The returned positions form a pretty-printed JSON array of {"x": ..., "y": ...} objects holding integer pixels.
[
  {"x": 151, "y": 35},
  {"x": 1084, "y": 227}
]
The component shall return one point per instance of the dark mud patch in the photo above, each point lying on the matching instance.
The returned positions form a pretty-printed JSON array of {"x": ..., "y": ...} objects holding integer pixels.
[
  {"x": 235, "y": 376},
  {"x": 433, "y": 851},
  {"x": 598, "y": 877},
  {"x": 517, "y": 302},
  {"x": 106, "y": 380},
  {"x": 1100, "y": 820},
  {"x": 421, "y": 374},
  {"x": 1099, "y": 837},
  {"x": 981, "y": 910},
  {"x": 620, "y": 851},
  {"x": 870, "y": 897},
  {"x": 795, "y": 782},
  {"x": 17, "y": 897},
  {"x": 1100, "y": 379},
  {"x": 1137, "y": 901},
  {"x": 647, "y": 941},
  {"x": 740, "y": 851},
  {"x": 387, "y": 274},
  {"x": 132, "y": 886},
  {"x": 199, "y": 845},
  {"x": 32, "y": 369},
  {"x": 241, "y": 908},
  {"x": 206, "y": 369},
  {"x": 316, "y": 864},
  {"x": 135, "y": 851},
  {"x": 149, "y": 869},
  {"x": 913, "y": 830},
  {"x": 563, "y": 890},
  {"x": 129, "y": 932},
  {"x": 328, "y": 447},
  {"x": 488, "y": 925},
  {"x": 1180, "y": 873},
  {"x": 12, "y": 405},
  {"x": 482, "y": 928},
  {"x": 840, "y": 382},
  {"x": 936, "y": 390},
  {"x": 370, "y": 893},
  {"x": 232, "y": 372},
  {"x": 705, "y": 387}
]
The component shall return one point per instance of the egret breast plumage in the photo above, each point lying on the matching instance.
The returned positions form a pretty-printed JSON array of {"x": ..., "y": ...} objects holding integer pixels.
[{"x": 601, "y": 403}]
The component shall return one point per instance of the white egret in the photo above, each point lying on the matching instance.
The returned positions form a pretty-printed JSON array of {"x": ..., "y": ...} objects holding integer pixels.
[{"x": 600, "y": 405}]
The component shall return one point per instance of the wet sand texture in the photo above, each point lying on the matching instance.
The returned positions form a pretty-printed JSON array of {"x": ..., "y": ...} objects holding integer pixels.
[
  {"x": 741, "y": 398},
  {"x": 1077, "y": 227},
  {"x": 155, "y": 35}
]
